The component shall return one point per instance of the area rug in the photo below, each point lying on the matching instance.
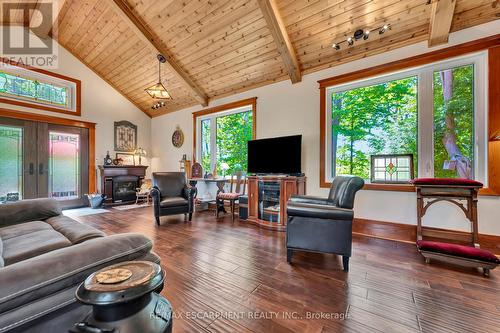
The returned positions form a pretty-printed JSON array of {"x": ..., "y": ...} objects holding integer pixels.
[
  {"x": 133, "y": 206},
  {"x": 78, "y": 212}
]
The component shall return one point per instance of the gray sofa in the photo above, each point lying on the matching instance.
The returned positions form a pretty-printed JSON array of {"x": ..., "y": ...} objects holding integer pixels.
[{"x": 44, "y": 256}]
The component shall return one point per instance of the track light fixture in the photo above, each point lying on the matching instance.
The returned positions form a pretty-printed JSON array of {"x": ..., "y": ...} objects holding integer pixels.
[{"x": 361, "y": 34}]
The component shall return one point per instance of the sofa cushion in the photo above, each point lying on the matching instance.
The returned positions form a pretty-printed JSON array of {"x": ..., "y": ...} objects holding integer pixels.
[
  {"x": 46, "y": 274},
  {"x": 1, "y": 253},
  {"x": 74, "y": 231},
  {"x": 23, "y": 229},
  {"x": 28, "y": 210},
  {"x": 31, "y": 245},
  {"x": 173, "y": 202}
]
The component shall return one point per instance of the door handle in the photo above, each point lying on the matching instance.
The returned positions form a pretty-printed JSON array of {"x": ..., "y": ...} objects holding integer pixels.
[
  {"x": 40, "y": 169},
  {"x": 31, "y": 169}
]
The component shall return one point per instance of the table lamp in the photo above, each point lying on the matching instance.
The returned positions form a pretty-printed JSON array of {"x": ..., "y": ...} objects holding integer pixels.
[{"x": 140, "y": 152}]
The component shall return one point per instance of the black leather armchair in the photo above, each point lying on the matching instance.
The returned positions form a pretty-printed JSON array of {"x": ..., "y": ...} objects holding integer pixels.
[
  {"x": 323, "y": 224},
  {"x": 171, "y": 195}
]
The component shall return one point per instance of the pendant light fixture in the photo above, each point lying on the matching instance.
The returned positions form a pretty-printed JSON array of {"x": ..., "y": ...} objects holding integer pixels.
[{"x": 158, "y": 91}]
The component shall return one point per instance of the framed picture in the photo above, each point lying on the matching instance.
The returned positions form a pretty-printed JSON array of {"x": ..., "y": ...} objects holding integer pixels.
[
  {"x": 392, "y": 169},
  {"x": 126, "y": 158},
  {"x": 125, "y": 136}
]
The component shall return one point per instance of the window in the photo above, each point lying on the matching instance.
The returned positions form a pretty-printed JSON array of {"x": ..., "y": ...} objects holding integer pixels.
[
  {"x": 435, "y": 112},
  {"x": 223, "y": 133},
  {"x": 39, "y": 89}
]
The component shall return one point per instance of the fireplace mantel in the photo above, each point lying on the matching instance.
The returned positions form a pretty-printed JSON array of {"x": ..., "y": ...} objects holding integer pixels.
[{"x": 110, "y": 174}]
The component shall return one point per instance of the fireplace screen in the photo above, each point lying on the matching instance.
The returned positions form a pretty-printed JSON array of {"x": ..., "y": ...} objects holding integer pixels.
[{"x": 124, "y": 188}]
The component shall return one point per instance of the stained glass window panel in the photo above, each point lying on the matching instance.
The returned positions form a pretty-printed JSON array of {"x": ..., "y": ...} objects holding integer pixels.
[
  {"x": 391, "y": 168},
  {"x": 33, "y": 90},
  {"x": 64, "y": 165},
  {"x": 11, "y": 163}
]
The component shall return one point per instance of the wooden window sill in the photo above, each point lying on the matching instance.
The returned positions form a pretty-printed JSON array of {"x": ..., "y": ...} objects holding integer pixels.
[{"x": 409, "y": 188}]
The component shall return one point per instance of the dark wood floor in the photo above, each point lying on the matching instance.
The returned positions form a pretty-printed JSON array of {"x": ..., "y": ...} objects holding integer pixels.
[{"x": 225, "y": 277}]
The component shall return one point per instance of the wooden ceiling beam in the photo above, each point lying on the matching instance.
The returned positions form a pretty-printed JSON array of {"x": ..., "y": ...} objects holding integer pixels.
[
  {"x": 143, "y": 32},
  {"x": 441, "y": 17},
  {"x": 278, "y": 31}
]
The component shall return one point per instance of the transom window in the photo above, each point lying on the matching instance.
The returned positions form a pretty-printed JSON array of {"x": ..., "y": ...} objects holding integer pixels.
[
  {"x": 39, "y": 89},
  {"x": 435, "y": 112},
  {"x": 222, "y": 137}
]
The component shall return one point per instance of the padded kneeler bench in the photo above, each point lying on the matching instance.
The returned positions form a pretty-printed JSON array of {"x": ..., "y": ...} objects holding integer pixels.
[{"x": 458, "y": 254}]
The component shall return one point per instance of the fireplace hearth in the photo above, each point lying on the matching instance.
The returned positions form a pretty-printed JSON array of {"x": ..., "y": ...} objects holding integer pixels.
[{"x": 119, "y": 183}]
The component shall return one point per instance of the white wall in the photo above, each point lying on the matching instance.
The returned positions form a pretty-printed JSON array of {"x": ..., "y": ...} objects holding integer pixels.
[
  {"x": 101, "y": 104},
  {"x": 285, "y": 109}
]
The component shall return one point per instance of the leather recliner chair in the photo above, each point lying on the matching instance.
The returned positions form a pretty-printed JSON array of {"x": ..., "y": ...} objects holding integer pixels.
[
  {"x": 171, "y": 195},
  {"x": 318, "y": 224}
]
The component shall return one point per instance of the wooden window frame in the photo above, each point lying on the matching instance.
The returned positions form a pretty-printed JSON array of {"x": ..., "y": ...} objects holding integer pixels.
[
  {"x": 66, "y": 122},
  {"x": 226, "y": 107},
  {"x": 78, "y": 91},
  {"x": 491, "y": 44}
]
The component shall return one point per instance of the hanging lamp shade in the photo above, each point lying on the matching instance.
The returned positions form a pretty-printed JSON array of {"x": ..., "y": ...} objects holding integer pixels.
[{"x": 158, "y": 91}]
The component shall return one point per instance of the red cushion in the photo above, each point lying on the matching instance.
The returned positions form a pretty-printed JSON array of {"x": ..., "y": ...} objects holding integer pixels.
[
  {"x": 228, "y": 196},
  {"x": 458, "y": 250},
  {"x": 446, "y": 182}
]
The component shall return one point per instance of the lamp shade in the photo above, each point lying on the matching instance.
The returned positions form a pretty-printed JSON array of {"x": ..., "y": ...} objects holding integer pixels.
[
  {"x": 140, "y": 152},
  {"x": 224, "y": 166},
  {"x": 158, "y": 91}
]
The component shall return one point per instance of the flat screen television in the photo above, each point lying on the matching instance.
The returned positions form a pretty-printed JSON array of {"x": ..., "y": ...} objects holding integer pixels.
[{"x": 280, "y": 155}]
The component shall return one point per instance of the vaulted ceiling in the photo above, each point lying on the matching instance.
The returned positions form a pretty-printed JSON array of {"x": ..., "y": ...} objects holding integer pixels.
[{"x": 220, "y": 47}]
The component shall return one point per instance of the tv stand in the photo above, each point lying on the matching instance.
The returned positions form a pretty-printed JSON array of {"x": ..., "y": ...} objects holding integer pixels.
[{"x": 267, "y": 198}]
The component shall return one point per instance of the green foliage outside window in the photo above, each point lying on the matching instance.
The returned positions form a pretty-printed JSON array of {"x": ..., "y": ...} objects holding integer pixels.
[
  {"x": 454, "y": 122},
  {"x": 233, "y": 133},
  {"x": 205, "y": 145},
  {"x": 377, "y": 119}
]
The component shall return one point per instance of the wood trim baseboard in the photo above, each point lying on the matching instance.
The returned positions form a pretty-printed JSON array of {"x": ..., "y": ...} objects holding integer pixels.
[
  {"x": 407, "y": 233},
  {"x": 225, "y": 107},
  {"x": 492, "y": 44},
  {"x": 66, "y": 122}
]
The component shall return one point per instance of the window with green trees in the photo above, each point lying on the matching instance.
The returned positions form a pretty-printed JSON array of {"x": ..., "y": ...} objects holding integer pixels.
[
  {"x": 223, "y": 139},
  {"x": 373, "y": 120},
  {"x": 434, "y": 112}
]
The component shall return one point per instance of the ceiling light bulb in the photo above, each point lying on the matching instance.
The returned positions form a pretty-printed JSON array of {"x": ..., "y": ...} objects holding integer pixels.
[
  {"x": 350, "y": 41},
  {"x": 367, "y": 34},
  {"x": 336, "y": 46},
  {"x": 383, "y": 29}
]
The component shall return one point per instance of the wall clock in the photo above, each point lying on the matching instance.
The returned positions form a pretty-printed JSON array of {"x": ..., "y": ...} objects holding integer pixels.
[{"x": 178, "y": 137}]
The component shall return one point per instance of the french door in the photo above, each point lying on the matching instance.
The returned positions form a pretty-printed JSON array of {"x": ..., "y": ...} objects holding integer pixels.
[{"x": 39, "y": 160}]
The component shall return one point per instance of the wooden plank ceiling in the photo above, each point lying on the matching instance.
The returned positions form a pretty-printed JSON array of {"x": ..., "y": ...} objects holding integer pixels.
[{"x": 227, "y": 46}]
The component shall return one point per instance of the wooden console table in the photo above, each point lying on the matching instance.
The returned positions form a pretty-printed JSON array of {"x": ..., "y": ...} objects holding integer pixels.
[
  {"x": 268, "y": 196},
  {"x": 457, "y": 194}
]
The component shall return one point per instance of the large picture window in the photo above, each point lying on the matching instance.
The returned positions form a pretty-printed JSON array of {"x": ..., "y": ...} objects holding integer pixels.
[
  {"x": 222, "y": 136},
  {"x": 435, "y": 112}
]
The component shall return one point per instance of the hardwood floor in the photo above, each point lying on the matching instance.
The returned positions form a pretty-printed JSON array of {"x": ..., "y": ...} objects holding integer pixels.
[{"x": 233, "y": 277}]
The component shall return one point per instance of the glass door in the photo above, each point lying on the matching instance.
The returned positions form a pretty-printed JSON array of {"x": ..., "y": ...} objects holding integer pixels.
[
  {"x": 40, "y": 160},
  {"x": 11, "y": 163},
  {"x": 65, "y": 166}
]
